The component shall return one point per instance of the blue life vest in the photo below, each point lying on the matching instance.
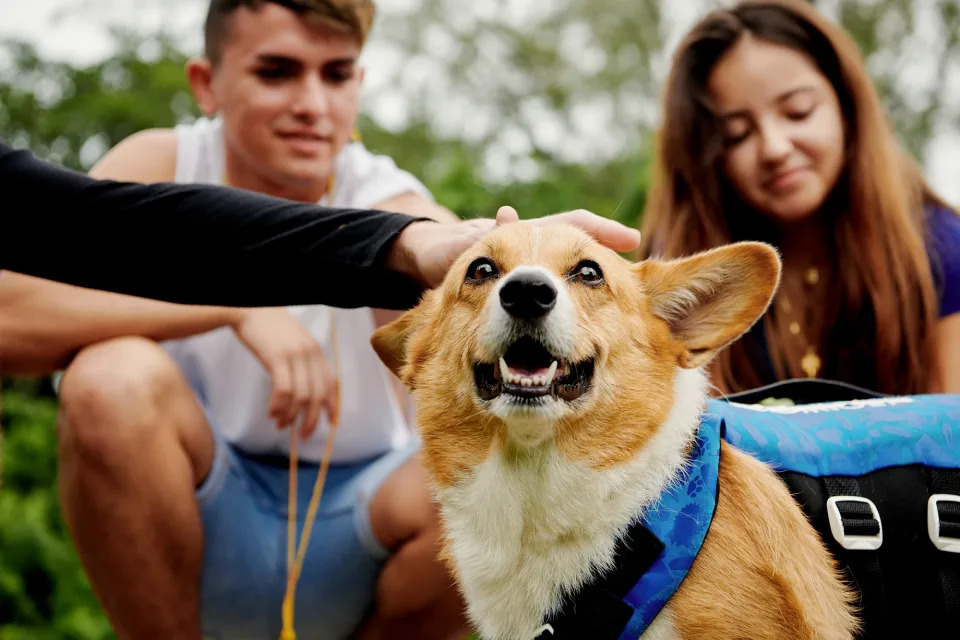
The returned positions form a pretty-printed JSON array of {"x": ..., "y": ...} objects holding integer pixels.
[
  {"x": 863, "y": 471},
  {"x": 847, "y": 438}
]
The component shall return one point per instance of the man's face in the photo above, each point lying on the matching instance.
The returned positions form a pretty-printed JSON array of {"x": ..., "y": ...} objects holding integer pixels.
[{"x": 287, "y": 91}]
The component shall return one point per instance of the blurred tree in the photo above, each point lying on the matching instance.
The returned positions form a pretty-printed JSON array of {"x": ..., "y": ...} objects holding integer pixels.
[
  {"x": 531, "y": 84},
  {"x": 546, "y": 81},
  {"x": 912, "y": 51},
  {"x": 44, "y": 594},
  {"x": 73, "y": 115}
]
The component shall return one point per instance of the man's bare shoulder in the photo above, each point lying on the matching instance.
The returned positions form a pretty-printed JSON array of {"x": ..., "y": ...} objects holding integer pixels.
[
  {"x": 146, "y": 156},
  {"x": 414, "y": 204}
]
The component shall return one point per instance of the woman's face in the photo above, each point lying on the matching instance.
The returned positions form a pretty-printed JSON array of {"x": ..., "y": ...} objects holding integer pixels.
[{"x": 782, "y": 126}]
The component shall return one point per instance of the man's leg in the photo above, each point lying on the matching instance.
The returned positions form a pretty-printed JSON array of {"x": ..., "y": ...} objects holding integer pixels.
[
  {"x": 134, "y": 444},
  {"x": 416, "y": 595}
]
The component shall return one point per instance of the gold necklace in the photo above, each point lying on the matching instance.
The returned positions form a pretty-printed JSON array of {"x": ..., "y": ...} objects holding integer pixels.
[{"x": 810, "y": 362}]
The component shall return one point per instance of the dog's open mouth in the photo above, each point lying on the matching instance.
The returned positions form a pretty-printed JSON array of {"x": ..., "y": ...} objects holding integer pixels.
[{"x": 529, "y": 370}]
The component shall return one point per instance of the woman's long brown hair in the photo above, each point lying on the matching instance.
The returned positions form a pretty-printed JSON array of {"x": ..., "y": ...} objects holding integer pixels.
[{"x": 878, "y": 328}]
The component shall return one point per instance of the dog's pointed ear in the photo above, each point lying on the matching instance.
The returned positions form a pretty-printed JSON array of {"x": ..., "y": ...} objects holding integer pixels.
[
  {"x": 710, "y": 299},
  {"x": 392, "y": 341}
]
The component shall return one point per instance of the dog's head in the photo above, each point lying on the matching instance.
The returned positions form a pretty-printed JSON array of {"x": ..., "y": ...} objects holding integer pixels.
[{"x": 541, "y": 334}]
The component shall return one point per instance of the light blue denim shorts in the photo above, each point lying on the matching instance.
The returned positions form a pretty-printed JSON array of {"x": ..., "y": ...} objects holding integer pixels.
[{"x": 243, "y": 504}]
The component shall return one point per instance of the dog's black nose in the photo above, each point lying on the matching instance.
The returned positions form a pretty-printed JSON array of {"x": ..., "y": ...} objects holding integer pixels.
[{"x": 528, "y": 296}]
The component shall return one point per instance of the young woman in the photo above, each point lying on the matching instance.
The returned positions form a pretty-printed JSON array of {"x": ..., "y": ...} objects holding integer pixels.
[{"x": 773, "y": 131}]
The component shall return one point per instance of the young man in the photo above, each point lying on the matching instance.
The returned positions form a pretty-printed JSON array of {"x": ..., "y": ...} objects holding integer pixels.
[
  {"x": 157, "y": 503},
  {"x": 173, "y": 470}
]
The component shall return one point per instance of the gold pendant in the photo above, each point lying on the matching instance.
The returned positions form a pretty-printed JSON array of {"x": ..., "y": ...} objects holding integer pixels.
[{"x": 810, "y": 363}]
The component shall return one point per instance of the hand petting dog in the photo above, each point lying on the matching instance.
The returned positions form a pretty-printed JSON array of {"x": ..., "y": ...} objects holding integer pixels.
[{"x": 426, "y": 250}]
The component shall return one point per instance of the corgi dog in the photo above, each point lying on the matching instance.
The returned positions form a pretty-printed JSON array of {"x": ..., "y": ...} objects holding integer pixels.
[{"x": 559, "y": 389}]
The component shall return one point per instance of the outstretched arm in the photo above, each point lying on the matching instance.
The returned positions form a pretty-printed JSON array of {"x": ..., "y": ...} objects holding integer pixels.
[
  {"x": 196, "y": 244},
  {"x": 43, "y": 324},
  {"x": 215, "y": 245}
]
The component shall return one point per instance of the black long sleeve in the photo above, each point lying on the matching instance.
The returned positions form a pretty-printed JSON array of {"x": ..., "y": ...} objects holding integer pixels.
[{"x": 196, "y": 244}]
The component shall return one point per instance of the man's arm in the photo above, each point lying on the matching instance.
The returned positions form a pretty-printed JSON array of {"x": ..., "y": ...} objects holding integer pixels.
[
  {"x": 414, "y": 204},
  {"x": 216, "y": 245},
  {"x": 147, "y": 156},
  {"x": 43, "y": 324},
  {"x": 199, "y": 244}
]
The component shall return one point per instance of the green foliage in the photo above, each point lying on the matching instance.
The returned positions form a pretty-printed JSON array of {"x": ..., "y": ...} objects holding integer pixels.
[
  {"x": 887, "y": 36},
  {"x": 43, "y": 590},
  {"x": 72, "y": 115},
  {"x": 616, "y": 189}
]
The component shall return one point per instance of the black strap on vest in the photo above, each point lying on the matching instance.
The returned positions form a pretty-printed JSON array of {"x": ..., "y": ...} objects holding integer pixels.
[
  {"x": 597, "y": 611},
  {"x": 948, "y": 482},
  {"x": 858, "y": 520}
]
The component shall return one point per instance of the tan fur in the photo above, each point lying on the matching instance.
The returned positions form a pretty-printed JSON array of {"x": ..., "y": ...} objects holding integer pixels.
[
  {"x": 684, "y": 294},
  {"x": 762, "y": 572},
  {"x": 761, "y": 556}
]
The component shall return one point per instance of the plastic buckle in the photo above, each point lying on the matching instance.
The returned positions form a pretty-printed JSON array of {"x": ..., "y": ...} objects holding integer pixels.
[
  {"x": 943, "y": 543},
  {"x": 858, "y": 543}
]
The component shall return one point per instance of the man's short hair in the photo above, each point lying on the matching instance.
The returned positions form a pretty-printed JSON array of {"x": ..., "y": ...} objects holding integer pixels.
[{"x": 347, "y": 16}]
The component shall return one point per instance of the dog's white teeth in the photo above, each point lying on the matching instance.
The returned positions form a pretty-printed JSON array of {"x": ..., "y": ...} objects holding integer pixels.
[
  {"x": 548, "y": 378},
  {"x": 544, "y": 380}
]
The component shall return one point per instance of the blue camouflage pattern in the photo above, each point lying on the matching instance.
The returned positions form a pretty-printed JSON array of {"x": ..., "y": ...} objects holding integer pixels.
[
  {"x": 680, "y": 519},
  {"x": 850, "y": 438}
]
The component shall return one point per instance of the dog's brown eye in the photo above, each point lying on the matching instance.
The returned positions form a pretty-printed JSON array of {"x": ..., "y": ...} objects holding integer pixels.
[
  {"x": 588, "y": 272},
  {"x": 481, "y": 270}
]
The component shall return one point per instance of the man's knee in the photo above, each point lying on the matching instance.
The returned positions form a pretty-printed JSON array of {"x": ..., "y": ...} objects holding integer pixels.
[
  {"x": 403, "y": 508},
  {"x": 112, "y": 394}
]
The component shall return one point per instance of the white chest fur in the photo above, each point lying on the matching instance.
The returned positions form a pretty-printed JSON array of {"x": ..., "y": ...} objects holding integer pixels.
[{"x": 529, "y": 526}]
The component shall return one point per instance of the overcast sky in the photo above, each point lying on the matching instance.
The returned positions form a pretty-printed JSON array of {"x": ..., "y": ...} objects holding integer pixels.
[{"x": 75, "y": 30}]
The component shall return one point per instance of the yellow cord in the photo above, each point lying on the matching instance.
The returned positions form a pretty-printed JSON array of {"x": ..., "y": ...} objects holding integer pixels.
[{"x": 295, "y": 564}]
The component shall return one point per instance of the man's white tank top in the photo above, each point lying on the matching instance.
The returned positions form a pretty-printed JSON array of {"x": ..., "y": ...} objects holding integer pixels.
[{"x": 231, "y": 383}]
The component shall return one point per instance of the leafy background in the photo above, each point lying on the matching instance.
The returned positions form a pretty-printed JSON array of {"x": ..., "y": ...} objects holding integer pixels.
[{"x": 544, "y": 106}]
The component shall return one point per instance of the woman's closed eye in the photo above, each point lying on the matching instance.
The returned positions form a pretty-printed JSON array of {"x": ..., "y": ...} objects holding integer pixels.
[
  {"x": 735, "y": 134},
  {"x": 799, "y": 105},
  {"x": 799, "y": 110}
]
